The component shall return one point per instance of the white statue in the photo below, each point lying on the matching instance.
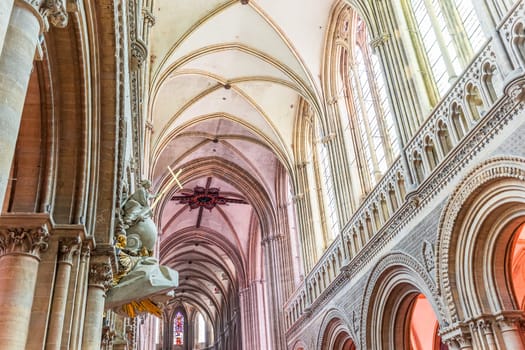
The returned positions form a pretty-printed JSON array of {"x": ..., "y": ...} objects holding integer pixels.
[
  {"x": 141, "y": 231},
  {"x": 141, "y": 280}
]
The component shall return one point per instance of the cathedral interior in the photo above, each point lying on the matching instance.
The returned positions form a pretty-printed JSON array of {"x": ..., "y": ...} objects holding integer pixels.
[{"x": 262, "y": 174}]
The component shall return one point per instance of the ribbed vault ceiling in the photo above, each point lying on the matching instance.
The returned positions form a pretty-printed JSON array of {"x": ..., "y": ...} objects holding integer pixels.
[{"x": 224, "y": 90}]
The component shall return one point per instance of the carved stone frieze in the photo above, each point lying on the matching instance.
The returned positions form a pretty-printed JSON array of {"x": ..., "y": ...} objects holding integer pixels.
[
  {"x": 21, "y": 240},
  {"x": 101, "y": 274}
]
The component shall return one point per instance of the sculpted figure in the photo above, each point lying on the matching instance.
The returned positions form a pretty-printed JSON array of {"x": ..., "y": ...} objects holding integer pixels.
[
  {"x": 141, "y": 231},
  {"x": 141, "y": 281}
]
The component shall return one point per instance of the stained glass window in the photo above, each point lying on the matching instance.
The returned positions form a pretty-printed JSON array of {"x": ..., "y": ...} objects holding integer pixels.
[{"x": 178, "y": 329}]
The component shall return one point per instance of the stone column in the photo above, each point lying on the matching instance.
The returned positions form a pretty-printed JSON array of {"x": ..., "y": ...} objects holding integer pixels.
[
  {"x": 510, "y": 332},
  {"x": 276, "y": 254},
  {"x": 248, "y": 328},
  {"x": 100, "y": 276},
  {"x": 80, "y": 300},
  {"x": 19, "y": 257},
  {"x": 66, "y": 248},
  {"x": 6, "y": 6},
  {"x": 27, "y": 21}
]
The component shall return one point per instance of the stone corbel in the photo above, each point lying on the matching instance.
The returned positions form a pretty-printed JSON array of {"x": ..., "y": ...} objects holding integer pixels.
[{"x": 148, "y": 17}]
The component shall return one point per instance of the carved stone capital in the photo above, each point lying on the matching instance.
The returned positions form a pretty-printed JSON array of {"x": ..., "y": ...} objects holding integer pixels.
[
  {"x": 101, "y": 275},
  {"x": 55, "y": 12},
  {"x": 49, "y": 11},
  {"x": 20, "y": 240},
  {"x": 485, "y": 326},
  {"x": 85, "y": 253},
  {"x": 509, "y": 322},
  {"x": 458, "y": 336},
  {"x": 459, "y": 341},
  {"x": 67, "y": 248}
]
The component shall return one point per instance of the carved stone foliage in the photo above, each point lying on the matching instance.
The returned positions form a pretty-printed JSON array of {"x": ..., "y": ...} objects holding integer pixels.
[
  {"x": 24, "y": 240},
  {"x": 101, "y": 274}
]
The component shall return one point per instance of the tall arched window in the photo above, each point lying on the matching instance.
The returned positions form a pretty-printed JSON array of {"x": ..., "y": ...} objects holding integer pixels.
[
  {"x": 445, "y": 34},
  {"x": 327, "y": 184},
  {"x": 178, "y": 328},
  {"x": 369, "y": 125},
  {"x": 201, "y": 329}
]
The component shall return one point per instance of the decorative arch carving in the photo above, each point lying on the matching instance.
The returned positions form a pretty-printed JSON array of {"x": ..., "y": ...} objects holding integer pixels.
[
  {"x": 334, "y": 322},
  {"x": 395, "y": 272}
]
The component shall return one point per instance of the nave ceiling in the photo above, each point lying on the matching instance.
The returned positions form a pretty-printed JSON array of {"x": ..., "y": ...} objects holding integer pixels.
[{"x": 225, "y": 83}]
